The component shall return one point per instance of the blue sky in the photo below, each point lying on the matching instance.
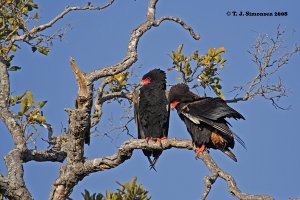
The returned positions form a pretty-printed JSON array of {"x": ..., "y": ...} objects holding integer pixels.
[{"x": 270, "y": 165}]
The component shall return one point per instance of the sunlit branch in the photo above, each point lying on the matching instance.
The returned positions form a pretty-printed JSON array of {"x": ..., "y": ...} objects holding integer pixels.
[
  {"x": 131, "y": 56},
  {"x": 180, "y": 22},
  {"x": 126, "y": 149},
  {"x": 67, "y": 10}
]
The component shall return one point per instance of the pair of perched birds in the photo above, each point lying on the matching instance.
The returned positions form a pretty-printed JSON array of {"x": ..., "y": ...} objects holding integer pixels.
[{"x": 204, "y": 117}]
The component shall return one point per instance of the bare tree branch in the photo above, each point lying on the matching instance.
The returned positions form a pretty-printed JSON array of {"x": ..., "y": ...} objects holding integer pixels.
[
  {"x": 44, "y": 155},
  {"x": 179, "y": 21},
  {"x": 208, "y": 182},
  {"x": 231, "y": 184},
  {"x": 98, "y": 102},
  {"x": 116, "y": 95},
  {"x": 42, "y": 27},
  {"x": 120, "y": 92},
  {"x": 268, "y": 60},
  {"x": 125, "y": 152},
  {"x": 131, "y": 56}
]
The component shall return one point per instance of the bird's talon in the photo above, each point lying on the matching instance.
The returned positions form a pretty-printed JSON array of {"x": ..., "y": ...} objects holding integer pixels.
[
  {"x": 199, "y": 149},
  {"x": 148, "y": 139},
  {"x": 160, "y": 139}
]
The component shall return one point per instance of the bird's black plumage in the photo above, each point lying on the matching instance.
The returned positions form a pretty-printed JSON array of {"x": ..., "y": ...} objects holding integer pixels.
[
  {"x": 205, "y": 119},
  {"x": 151, "y": 110}
]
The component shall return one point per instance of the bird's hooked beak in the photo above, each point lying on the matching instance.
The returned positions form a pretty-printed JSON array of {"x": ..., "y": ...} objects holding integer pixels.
[
  {"x": 145, "y": 81},
  {"x": 174, "y": 104}
]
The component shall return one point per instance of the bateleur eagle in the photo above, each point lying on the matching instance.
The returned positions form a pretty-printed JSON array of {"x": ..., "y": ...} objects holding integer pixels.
[
  {"x": 151, "y": 111},
  {"x": 204, "y": 118}
]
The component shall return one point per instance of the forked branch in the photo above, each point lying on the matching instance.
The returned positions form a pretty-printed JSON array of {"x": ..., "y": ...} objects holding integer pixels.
[
  {"x": 217, "y": 172},
  {"x": 267, "y": 57}
]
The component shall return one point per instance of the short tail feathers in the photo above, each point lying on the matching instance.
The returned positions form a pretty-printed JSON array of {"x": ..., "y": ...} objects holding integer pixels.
[
  {"x": 230, "y": 154},
  {"x": 155, "y": 155},
  {"x": 239, "y": 140},
  {"x": 152, "y": 163}
]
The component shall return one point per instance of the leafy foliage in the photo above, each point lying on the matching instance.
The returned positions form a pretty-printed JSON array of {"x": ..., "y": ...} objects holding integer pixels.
[
  {"x": 203, "y": 68},
  {"x": 30, "y": 111},
  {"x": 118, "y": 82},
  {"x": 127, "y": 191},
  {"x": 14, "y": 18},
  {"x": 87, "y": 196}
]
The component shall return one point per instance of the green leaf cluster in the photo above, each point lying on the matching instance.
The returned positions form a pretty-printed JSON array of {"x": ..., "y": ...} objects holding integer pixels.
[
  {"x": 127, "y": 191},
  {"x": 118, "y": 82},
  {"x": 87, "y": 196},
  {"x": 30, "y": 110},
  {"x": 13, "y": 21},
  {"x": 14, "y": 18},
  {"x": 181, "y": 63},
  {"x": 202, "y": 68}
]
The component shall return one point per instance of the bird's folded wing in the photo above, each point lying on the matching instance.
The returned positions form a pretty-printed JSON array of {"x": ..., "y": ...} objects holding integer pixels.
[
  {"x": 136, "y": 100},
  {"x": 222, "y": 127},
  {"x": 212, "y": 108}
]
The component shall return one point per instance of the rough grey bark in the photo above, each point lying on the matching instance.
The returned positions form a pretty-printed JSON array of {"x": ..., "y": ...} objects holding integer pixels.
[{"x": 13, "y": 185}]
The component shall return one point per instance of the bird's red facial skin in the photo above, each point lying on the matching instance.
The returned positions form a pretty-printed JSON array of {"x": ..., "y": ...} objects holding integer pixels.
[
  {"x": 174, "y": 104},
  {"x": 145, "y": 81}
]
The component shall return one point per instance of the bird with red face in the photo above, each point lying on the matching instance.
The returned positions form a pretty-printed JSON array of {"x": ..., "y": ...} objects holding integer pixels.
[
  {"x": 151, "y": 111},
  {"x": 205, "y": 120}
]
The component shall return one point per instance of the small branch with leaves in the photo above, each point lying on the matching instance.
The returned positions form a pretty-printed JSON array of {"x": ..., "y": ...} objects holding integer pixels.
[{"x": 200, "y": 70}]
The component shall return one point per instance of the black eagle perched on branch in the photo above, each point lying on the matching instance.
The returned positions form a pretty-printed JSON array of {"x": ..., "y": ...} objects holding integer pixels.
[
  {"x": 151, "y": 111},
  {"x": 205, "y": 119}
]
